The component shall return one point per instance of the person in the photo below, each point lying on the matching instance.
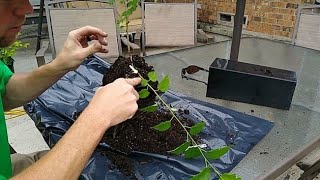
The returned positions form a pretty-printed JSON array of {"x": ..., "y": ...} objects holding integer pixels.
[{"x": 110, "y": 105}]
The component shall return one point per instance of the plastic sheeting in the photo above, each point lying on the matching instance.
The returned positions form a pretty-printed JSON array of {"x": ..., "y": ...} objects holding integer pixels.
[{"x": 53, "y": 113}]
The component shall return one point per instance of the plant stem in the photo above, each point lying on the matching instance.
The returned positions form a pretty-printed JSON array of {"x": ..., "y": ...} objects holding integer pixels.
[
  {"x": 127, "y": 27},
  {"x": 184, "y": 128}
]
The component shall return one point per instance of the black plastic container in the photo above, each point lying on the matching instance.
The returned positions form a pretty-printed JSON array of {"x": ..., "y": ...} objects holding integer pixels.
[{"x": 250, "y": 83}]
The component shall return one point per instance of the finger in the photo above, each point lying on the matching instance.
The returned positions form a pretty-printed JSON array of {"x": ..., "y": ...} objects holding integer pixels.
[
  {"x": 92, "y": 48},
  {"x": 92, "y": 37},
  {"x": 133, "y": 81},
  {"x": 104, "y": 49},
  {"x": 102, "y": 40},
  {"x": 89, "y": 30}
]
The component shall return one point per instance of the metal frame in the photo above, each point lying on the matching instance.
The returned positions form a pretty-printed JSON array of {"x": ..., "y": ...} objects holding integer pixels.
[
  {"x": 40, "y": 22},
  {"x": 48, "y": 6},
  {"x": 295, "y": 31},
  {"x": 237, "y": 29},
  {"x": 143, "y": 39}
]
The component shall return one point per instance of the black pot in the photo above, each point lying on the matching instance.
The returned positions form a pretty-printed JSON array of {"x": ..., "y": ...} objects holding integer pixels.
[{"x": 251, "y": 83}]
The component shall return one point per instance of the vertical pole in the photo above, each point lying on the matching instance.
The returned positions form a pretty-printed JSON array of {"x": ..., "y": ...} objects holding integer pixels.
[
  {"x": 39, "y": 35},
  {"x": 237, "y": 29}
]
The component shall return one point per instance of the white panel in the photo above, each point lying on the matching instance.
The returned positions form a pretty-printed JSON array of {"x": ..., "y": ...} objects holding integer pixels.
[
  {"x": 65, "y": 20},
  {"x": 309, "y": 31},
  {"x": 169, "y": 24}
]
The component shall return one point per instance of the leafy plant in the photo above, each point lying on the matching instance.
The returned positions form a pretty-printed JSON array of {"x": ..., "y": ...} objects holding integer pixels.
[
  {"x": 123, "y": 21},
  {"x": 189, "y": 148},
  {"x": 7, "y": 53}
]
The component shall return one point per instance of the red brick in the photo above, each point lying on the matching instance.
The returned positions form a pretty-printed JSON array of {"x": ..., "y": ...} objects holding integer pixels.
[
  {"x": 278, "y": 4},
  {"x": 271, "y": 12}
]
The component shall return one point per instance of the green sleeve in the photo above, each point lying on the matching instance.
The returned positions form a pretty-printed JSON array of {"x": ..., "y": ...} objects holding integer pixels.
[
  {"x": 5, "y": 76},
  {"x": 2, "y": 178},
  {"x": 5, "y": 162}
]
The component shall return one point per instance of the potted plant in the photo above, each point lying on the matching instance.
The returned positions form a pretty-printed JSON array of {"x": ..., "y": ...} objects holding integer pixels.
[
  {"x": 155, "y": 119},
  {"x": 7, "y": 53}
]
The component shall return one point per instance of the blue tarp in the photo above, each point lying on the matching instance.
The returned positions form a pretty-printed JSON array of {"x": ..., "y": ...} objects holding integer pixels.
[{"x": 53, "y": 113}]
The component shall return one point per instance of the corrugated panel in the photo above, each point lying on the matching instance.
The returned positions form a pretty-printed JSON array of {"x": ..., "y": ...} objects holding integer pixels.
[{"x": 308, "y": 33}]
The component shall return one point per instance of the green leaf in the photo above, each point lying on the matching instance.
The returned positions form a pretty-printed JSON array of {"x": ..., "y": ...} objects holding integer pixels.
[
  {"x": 192, "y": 152},
  {"x": 131, "y": 3},
  {"x": 205, "y": 174},
  {"x": 151, "y": 108},
  {"x": 217, "y": 153},
  {"x": 129, "y": 12},
  {"x": 132, "y": 6},
  {"x": 144, "y": 82},
  {"x": 144, "y": 93},
  {"x": 152, "y": 76},
  {"x": 164, "y": 126},
  {"x": 111, "y": 1},
  {"x": 163, "y": 86},
  {"x": 179, "y": 150},
  {"x": 126, "y": 13},
  {"x": 197, "y": 128},
  {"x": 229, "y": 176}
]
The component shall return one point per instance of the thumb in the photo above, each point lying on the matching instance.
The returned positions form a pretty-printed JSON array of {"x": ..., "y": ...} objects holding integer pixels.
[
  {"x": 133, "y": 81},
  {"x": 93, "y": 48}
]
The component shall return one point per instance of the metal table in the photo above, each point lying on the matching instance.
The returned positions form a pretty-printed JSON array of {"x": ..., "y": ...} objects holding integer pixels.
[{"x": 293, "y": 129}]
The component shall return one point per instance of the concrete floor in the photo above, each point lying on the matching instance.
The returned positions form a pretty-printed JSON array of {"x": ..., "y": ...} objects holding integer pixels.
[{"x": 25, "y": 138}]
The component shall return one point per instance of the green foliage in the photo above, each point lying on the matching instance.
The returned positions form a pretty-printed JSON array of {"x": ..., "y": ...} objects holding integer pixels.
[
  {"x": 131, "y": 5},
  {"x": 229, "y": 176},
  {"x": 152, "y": 76},
  {"x": 192, "y": 152},
  {"x": 163, "y": 126},
  {"x": 197, "y": 128},
  {"x": 111, "y": 2},
  {"x": 151, "y": 108},
  {"x": 203, "y": 175},
  {"x": 217, "y": 153},
  {"x": 144, "y": 93},
  {"x": 144, "y": 82},
  {"x": 164, "y": 85},
  {"x": 190, "y": 148},
  {"x": 7, "y": 53},
  {"x": 183, "y": 147}
]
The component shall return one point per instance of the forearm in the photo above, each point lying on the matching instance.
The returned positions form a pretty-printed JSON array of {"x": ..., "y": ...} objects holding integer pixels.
[
  {"x": 68, "y": 158},
  {"x": 111, "y": 105},
  {"x": 23, "y": 88}
]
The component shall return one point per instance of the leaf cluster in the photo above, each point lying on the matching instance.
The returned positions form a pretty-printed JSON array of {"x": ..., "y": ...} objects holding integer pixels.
[
  {"x": 190, "y": 149},
  {"x": 131, "y": 5},
  {"x": 7, "y": 53}
]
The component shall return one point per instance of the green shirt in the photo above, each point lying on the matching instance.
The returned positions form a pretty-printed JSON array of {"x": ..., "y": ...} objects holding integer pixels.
[{"x": 5, "y": 161}]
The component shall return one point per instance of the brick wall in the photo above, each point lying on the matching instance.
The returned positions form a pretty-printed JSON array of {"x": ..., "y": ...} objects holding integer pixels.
[{"x": 273, "y": 17}]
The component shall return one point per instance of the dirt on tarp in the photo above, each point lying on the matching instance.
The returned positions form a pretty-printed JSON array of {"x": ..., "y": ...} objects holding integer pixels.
[{"x": 137, "y": 134}]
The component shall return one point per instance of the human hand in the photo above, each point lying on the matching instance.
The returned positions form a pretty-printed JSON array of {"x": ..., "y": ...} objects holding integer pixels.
[
  {"x": 76, "y": 47},
  {"x": 114, "y": 103}
]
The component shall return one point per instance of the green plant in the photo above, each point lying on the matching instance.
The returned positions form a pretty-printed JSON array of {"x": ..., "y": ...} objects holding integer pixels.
[
  {"x": 190, "y": 148},
  {"x": 123, "y": 21},
  {"x": 7, "y": 53}
]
